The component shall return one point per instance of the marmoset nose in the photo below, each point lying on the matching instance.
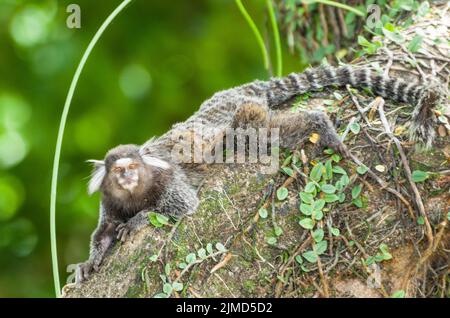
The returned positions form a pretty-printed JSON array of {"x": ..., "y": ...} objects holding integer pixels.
[{"x": 128, "y": 174}]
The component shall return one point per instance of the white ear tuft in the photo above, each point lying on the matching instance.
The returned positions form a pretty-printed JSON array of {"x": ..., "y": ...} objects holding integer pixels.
[
  {"x": 97, "y": 176},
  {"x": 153, "y": 161}
]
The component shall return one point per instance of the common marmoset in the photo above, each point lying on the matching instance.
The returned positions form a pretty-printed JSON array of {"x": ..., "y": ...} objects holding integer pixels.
[{"x": 136, "y": 179}]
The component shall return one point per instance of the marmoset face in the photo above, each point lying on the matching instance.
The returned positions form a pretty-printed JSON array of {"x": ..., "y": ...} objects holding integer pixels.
[
  {"x": 126, "y": 173},
  {"x": 125, "y": 169}
]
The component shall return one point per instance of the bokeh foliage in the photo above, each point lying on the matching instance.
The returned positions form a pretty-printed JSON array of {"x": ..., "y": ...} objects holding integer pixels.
[{"x": 153, "y": 67}]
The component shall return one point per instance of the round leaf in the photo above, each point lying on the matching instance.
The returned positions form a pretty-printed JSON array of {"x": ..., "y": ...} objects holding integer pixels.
[
  {"x": 262, "y": 213},
  {"x": 282, "y": 193},
  {"x": 310, "y": 256},
  {"x": 307, "y": 223},
  {"x": 220, "y": 247},
  {"x": 419, "y": 176},
  {"x": 318, "y": 235},
  {"x": 306, "y": 209},
  {"x": 328, "y": 188}
]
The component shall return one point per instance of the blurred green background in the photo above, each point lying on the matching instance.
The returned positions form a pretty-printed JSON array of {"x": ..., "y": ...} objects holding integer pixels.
[{"x": 153, "y": 67}]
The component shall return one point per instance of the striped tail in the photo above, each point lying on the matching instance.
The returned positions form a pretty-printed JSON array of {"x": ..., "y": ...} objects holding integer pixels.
[{"x": 424, "y": 98}]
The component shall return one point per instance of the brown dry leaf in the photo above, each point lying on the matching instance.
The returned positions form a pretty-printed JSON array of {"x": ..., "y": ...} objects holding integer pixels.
[
  {"x": 399, "y": 130},
  {"x": 380, "y": 168},
  {"x": 222, "y": 263},
  {"x": 442, "y": 131},
  {"x": 314, "y": 138}
]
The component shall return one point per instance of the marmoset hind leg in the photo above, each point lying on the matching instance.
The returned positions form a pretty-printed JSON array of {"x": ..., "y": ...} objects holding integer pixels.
[{"x": 295, "y": 128}]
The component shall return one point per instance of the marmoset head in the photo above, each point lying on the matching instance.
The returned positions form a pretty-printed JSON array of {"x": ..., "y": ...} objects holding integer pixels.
[{"x": 126, "y": 170}]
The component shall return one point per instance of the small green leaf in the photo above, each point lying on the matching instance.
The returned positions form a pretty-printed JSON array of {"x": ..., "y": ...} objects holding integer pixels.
[
  {"x": 329, "y": 198},
  {"x": 345, "y": 180},
  {"x": 201, "y": 253},
  {"x": 209, "y": 248},
  {"x": 307, "y": 223},
  {"x": 394, "y": 36},
  {"x": 282, "y": 193},
  {"x": 157, "y": 220},
  {"x": 423, "y": 8},
  {"x": 335, "y": 231},
  {"x": 161, "y": 295},
  {"x": 262, "y": 213},
  {"x": 306, "y": 197},
  {"x": 167, "y": 288},
  {"x": 328, "y": 188},
  {"x": 304, "y": 268},
  {"x": 162, "y": 219},
  {"x": 355, "y": 128},
  {"x": 278, "y": 230},
  {"x": 328, "y": 170},
  {"x": 339, "y": 170},
  {"x": 370, "y": 260},
  {"x": 220, "y": 247},
  {"x": 337, "y": 95},
  {"x": 272, "y": 240},
  {"x": 177, "y": 286},
  {"x": 362, "y": 169},
  {"x": 153, "y": 258},
  {"x": 419, "y": 176},
  {"x": 363, "y": 41},
  {"x": 310, "y": 187},
  {"x": 182, "y": 265},
  {"x": 318, "y": 235},
  {"x": 336, "y": 157},
  {"x": 341, "y": 197},
  {"x": 316, "y": 172},
  {"x": 317, "y": 215},
  {"x": 385, "y": 251},
  {"x": 167, "y": 269},
  {"x": 399, "y": 294},
  {"x": 443, "y": 119},
  {"x": 320, "y": 247},
  {"x": 420, "y": 220},
  {"x": 318, "y": 205},
  {"x": 288, "y": 171},
  {"x": 190, "y": 258},
  {"x": 358, "y": 202},
  {"x": 356, "y": 191},
  {"x": 448, "y": 216},
  {"x": 415, "y": 44},
  {"x": 310, "y": 256},
  {"x": 306, "y": 209},
  {"x": 299, "y": 259}
]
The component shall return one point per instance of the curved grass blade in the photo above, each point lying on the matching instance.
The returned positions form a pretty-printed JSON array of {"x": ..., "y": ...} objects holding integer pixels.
[
  {"x": 276, "y": 35},
  {"x": 337, "y": 5},
  {"x": 256, "y": 32},
  {"x": 62, "y": 125}
]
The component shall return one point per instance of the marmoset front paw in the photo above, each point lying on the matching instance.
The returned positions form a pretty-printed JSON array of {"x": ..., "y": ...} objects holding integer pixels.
[
  {"x": 84, "y": 270},
  {"x": 124, "y": 231}
]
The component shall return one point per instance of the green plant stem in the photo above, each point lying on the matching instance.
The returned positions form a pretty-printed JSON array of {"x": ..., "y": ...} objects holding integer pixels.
[
  {"x": 337, "y": 5},
  {"x": 59, "y": 140},
  {"x": 256, "y": 32},
  {"x": 276, "y": 35}
]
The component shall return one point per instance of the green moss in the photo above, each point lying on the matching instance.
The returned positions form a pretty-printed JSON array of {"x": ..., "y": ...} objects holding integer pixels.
[
  {"x": 135, "y": 290},
  {"x": 249, "y": 286}
]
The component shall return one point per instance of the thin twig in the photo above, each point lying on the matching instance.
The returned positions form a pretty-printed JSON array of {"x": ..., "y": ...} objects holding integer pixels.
[{"x": 418, "y": 198}]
